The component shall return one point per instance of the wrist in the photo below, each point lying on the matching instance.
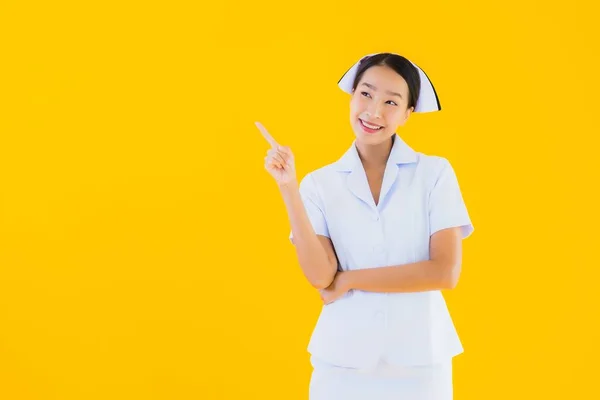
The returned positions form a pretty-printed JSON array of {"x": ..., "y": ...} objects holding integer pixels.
[
  {"x": 288, "y": 188},
  {"x": 291, "y": 182},
  {"x": 345, "y": 280}
]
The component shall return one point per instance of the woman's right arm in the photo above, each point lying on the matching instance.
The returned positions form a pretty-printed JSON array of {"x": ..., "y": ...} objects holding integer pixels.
[{"x": 315, "y": 253}]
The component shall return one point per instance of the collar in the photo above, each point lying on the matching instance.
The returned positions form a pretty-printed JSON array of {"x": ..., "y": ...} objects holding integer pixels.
[{"x": 401, "y": 153}]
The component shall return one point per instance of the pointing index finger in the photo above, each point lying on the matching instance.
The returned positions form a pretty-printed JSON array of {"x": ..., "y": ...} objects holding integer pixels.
[{"x": 267, "y": 135}]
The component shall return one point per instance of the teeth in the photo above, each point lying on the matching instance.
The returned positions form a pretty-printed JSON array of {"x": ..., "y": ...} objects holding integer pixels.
[{"x": 370, "y": 126}]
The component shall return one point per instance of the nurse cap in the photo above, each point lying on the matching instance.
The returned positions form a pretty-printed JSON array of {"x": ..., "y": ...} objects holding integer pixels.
[{"x": 428, "y": 100}]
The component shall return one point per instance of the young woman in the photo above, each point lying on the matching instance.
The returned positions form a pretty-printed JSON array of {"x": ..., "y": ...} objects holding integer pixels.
[{"x": 379, "y": 234}]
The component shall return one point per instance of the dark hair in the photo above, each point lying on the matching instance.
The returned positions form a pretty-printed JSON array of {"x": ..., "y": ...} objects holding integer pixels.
[{"x": 401, "y": 65}]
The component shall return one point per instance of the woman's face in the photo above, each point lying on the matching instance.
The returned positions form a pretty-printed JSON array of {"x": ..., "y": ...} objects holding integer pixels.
[{"x": 379, "y": 105}]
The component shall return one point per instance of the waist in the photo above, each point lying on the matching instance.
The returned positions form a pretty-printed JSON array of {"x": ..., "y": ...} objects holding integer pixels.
[{"x": 409, "y": 328}]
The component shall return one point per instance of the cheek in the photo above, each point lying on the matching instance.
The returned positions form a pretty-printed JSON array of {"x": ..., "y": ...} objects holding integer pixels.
[
  {"x": 359, "y": 104},
  {"x": 396, "y": 116},
  {"x": 355, "y": 108}
]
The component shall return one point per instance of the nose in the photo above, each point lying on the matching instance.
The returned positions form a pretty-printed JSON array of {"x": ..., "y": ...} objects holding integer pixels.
[{"x": 374, "y": 110}]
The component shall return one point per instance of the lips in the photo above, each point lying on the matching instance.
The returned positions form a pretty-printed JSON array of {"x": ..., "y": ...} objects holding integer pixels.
[
  {"x": 370, "y": 125},
  {"x": 369, "y": 128}
]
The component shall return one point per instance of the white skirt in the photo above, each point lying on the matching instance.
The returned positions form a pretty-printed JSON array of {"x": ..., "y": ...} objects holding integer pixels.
[{"x": 384, "y": 382}]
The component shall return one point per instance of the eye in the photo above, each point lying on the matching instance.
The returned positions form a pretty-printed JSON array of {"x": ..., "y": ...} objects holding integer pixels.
[
  {"x": 365, "y": 94},
  {"x": 393, "y": 103}
]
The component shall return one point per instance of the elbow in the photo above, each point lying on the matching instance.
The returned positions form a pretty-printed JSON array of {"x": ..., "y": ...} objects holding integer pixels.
[
  {"x": 321, "y": 278},
  {"x": 321, "y": 282},
  {"x": 451, "y": 284},
  {"x": 450, "y": 276}
]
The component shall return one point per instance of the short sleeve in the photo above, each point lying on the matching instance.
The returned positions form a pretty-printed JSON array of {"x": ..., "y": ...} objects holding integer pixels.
[
  {"x": 447, "y": 208},
  {"x": 313, "y": 206}
]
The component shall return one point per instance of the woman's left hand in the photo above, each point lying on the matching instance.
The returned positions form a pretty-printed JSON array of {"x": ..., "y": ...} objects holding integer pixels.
[{"x": 336, "y": 290}]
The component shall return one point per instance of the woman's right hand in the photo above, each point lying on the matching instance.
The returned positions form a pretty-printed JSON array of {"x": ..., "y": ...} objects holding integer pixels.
[{"x": 279, "y": 161}]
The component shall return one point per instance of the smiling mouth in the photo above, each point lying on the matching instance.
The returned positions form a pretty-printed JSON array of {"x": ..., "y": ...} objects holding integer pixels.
[{"x": 370, "y": 127}]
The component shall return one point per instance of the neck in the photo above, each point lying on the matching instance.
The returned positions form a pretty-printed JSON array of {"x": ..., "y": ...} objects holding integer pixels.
[{"x": 375, "y": 156}]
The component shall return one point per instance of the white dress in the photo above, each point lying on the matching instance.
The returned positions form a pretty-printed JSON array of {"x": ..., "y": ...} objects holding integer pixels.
[
  {"x": 383, "y": 382},
  {"x": 379, "y": 346}
]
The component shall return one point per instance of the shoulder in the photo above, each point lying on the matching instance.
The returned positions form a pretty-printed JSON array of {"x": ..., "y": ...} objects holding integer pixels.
[
  {"x": 432, "y": 167},
  {"x": 438, "y": 177},
  {"x": 432, "y": 162}
]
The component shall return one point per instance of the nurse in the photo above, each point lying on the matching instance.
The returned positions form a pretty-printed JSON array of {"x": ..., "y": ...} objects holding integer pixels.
[{"x": 379, "y": 234}]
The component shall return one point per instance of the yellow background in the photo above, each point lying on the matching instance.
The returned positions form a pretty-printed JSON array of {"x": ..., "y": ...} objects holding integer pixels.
[{"x": 144, "y": 250}]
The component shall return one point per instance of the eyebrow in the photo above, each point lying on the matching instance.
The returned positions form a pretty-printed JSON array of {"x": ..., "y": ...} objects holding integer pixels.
[{"x": 388, "y": 92}]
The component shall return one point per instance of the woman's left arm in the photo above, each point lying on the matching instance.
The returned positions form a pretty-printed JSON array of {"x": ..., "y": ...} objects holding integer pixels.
[{"x": 441, "y": 271}]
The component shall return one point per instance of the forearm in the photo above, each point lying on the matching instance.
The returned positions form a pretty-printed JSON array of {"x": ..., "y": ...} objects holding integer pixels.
[
  {"x": 317, "y": 266},
  {"x": 415, "y": 277}
]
